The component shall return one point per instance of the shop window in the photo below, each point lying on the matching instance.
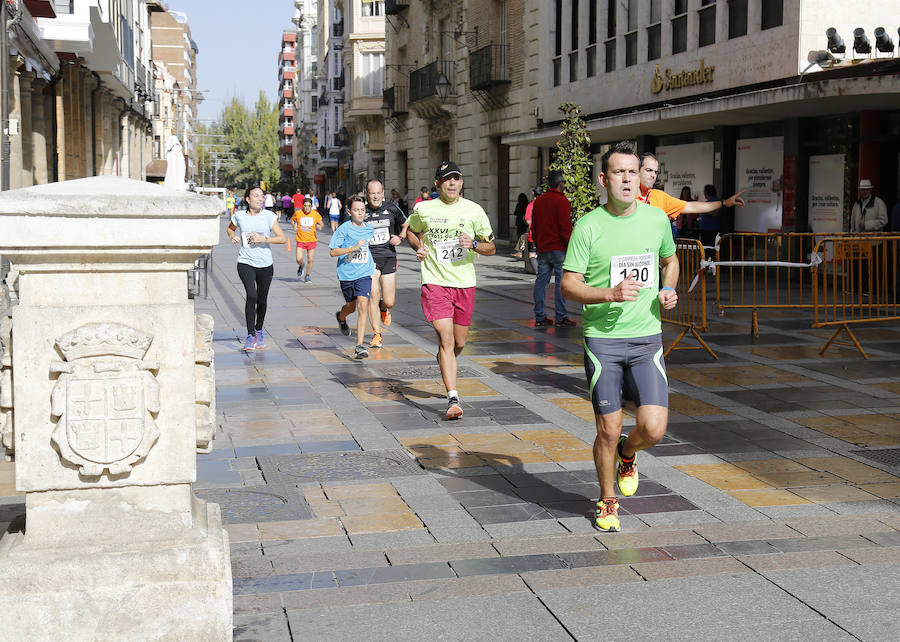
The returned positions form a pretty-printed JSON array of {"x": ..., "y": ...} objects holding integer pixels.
[
  {"x": 707, "y": 16},
  {"x": 654, "y": 42},
  {"x": 630, "y": 49},
  {"x": 737, "y": 18},
  {"x": 772, "y": 14}
]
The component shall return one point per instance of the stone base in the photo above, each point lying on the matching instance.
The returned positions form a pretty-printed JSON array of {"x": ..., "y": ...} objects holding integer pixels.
[{"x": 175, "y": 588}]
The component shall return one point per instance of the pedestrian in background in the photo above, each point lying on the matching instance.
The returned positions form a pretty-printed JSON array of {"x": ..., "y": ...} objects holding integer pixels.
[
  {"x": 551, "y": 227},
  {"x": 306, "y": 221},
  {"x": 521, "y": 225},
  {"x": 710, "y": 223}
]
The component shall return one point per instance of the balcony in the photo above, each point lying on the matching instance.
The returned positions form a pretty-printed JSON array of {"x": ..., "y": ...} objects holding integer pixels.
[
  {"x": 423, "y": 81},
  {"x": 323, "y": 97},
  {"x": 397, "y": 99},
  {"x": 393, "y": 7},
  {"x": 337, "y": 29},
  {"x": 488, "y": 67}
]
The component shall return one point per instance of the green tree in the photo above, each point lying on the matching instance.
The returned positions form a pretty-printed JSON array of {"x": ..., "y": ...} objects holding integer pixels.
[
  {"x": 573, "y": 159},
  {"x": 253, "y": 138}
]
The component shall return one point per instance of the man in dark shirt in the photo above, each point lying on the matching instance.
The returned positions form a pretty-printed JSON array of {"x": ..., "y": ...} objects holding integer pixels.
[
  {"x": 551, "y": 227},
  {"x": 388, "y": 220}
]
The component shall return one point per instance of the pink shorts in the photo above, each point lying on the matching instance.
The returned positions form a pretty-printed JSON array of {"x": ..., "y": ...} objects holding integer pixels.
[
  {"x": 439, "y": 302},
  {"x": 306, "y": 246}
]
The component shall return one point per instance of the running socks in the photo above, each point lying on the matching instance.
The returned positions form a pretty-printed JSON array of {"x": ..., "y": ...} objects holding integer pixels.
[{"x": 625, "y": 460}]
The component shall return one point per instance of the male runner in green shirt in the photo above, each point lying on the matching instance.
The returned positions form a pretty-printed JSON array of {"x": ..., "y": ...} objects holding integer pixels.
[
  {"x": 613, "y": 266},
  {"x": 446, "y": 233}
]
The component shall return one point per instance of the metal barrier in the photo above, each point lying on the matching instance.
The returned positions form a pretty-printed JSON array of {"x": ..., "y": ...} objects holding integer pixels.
[
  {"x": 857, "y": 283},
  {"x": 756, "y": 271},
  {"x": 690, "y": 313},
  {"x": 198, "y": 277}
]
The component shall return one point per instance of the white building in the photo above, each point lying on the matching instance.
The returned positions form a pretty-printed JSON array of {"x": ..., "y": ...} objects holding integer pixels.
[
  {"x": 334, "y": 159},
  {"x": 306, "y": 95}
]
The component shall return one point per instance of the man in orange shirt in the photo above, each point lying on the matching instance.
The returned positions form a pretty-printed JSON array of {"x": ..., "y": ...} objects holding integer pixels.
[
  {"x": 672, "y": 206},
  {"x": 306, "y": 221}
]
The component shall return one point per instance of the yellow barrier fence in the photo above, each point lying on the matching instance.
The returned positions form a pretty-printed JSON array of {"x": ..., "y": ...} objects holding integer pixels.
[
  {"x": 764, "y": 270},
  {"x": 690, "y": 313},
  {"x": 856, "y": 284}
]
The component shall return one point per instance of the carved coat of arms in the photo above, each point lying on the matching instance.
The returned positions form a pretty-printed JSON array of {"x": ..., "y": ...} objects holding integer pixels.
[{"x": 105, "y": 399}]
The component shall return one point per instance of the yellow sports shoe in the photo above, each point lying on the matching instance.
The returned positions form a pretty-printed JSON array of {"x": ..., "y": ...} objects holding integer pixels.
[
  {"x": 376, "y": 341},
  {"x": 626, "y": 473},
  {"x": 607, "y": 515}
]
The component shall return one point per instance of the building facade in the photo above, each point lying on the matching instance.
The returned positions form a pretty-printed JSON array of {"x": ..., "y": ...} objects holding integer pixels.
[
  {"x": 175, "y": 51},
  {"x": 744, "y": 95},
  {"x": 461, "y": 76},
  {"x": 80, "y": 90},
  {"x": 287, "y": 82},
  {"x": 364, "y": 70},
  {"x": 306, "y": 95},
  {"x": 334, "y": 162}
]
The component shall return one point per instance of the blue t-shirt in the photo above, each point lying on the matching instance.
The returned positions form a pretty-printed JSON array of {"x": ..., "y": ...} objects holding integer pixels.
[
  {"x": 256, "y": 254},
  {"x": 359, "y": 263}
]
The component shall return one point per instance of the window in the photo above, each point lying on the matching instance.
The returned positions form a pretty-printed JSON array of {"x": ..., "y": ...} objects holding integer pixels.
[
  {"x": 631, "y": 36},
  {"x": 707, "y": 22},
  {"x": 679, "y": 27},
  {"x": 557, "y": 52},
  {"x": 574, "y": 20},
  {"x": 610, "y": 44},
  {"x": 611, "y": 55},
  {"x": 372, "y": 8},
  {"x": 573, "y": 66},
  {"x": 737, "y": 18},
  {"x": 372, "y": 76},
  {"x": 772, "y": 14},
  {"x": 314, "y": 104},
  {"x": 314, "y": 38},
  {"x": 592, "y": 22},
  {"x": 654, "y": 42}
]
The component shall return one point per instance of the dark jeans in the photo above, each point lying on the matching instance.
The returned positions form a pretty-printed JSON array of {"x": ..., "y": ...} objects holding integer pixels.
[
  {"x": 256, "y": 282},
  {"x": 549, "y": 262}
]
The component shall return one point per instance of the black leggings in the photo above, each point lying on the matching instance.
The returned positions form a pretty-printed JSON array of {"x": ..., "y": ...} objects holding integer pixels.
[{"x": 256, "y": 282}]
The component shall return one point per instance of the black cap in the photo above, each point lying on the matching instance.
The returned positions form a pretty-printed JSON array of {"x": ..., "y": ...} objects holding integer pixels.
[{"x": 446, "y": 170}]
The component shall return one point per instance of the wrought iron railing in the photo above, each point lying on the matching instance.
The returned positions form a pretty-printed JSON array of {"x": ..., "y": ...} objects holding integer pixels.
[
  {"x": 488, "y": 67},
  {"x": 393, "y": 7},
  {"x": 397, "y": 98},
  {"x": 423, "y": 82}
]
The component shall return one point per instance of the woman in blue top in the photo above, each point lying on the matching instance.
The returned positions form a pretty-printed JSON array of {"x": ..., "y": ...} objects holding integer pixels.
[{"x": 255, "y": 263}]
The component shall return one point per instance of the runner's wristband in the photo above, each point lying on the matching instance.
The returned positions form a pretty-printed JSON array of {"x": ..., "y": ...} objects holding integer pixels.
[{"x": 666, "y": 288}]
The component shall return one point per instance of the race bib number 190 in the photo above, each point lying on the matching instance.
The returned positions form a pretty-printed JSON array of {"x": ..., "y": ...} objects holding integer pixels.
[
  {"x": 640, "y": 267},
  {"x": 449, "y": 251}
]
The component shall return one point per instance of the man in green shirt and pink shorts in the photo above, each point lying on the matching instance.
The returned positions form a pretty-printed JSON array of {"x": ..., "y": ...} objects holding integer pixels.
[
  {"x": 446, "y": 233},
  {"x": 621, "y": 265}
]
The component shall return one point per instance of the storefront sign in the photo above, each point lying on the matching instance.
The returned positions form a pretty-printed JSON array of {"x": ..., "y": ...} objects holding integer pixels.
[
  {"x": 759, "y": 173},
  {"x": 688, "y": 165},
  {"x": 319, "y": 179},
  {"x": 702, "y": 75},
  {"x": 826, "y": 193}
]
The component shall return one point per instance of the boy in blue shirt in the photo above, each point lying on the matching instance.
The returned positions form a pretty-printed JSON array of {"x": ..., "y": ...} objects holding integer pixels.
[{"x": 350, "y": 243}]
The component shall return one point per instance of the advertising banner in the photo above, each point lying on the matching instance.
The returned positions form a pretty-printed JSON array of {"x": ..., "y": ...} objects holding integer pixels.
[
  {"x": 826, "y": 193},
  {"x": 759, "y": 168},
  {"x": 685, "y": 165}
]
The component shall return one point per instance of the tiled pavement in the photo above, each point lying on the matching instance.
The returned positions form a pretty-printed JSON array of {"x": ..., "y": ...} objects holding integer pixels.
[{"x": 771, "y": 509}]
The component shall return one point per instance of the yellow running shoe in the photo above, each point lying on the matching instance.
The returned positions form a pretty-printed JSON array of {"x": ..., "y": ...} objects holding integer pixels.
[
  {"x": 626, "y": 473},
  {"x": 607, "y": 515}
]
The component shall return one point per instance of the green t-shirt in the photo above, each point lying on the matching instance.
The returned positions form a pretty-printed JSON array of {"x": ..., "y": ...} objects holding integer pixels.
[
  {"x": 604, "y": 248},
  {"x": 439, "y": 225}
]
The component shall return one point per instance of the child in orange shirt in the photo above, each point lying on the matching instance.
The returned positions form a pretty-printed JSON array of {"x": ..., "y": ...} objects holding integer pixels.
[{"x": 306, "y": 221}]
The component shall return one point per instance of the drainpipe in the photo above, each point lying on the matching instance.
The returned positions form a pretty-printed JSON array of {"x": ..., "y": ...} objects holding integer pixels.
[{"x": 94, "y": 93}]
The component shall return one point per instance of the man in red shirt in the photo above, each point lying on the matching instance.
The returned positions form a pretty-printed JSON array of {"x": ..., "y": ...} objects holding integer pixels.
[
  {"x": 298, "y": 200},
  {"x": 551, "y": 227},
  {"x": 674, "y": 206}
]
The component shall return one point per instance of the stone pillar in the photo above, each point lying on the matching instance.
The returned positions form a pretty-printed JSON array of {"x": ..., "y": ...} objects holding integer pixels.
[
  {"x": 26, "y": 78},
  {"x": 15, "y": 116},
  {"x": 112, "y": 381},
  {"x": 40, "y": 133}
]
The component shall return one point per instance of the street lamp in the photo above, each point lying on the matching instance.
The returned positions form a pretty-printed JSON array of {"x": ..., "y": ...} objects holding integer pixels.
[{"x": 443, "y": 86}]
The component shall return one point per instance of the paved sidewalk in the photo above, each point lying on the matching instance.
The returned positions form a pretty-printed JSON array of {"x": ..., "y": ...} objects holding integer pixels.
[{"x": 770, "y": 511}]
